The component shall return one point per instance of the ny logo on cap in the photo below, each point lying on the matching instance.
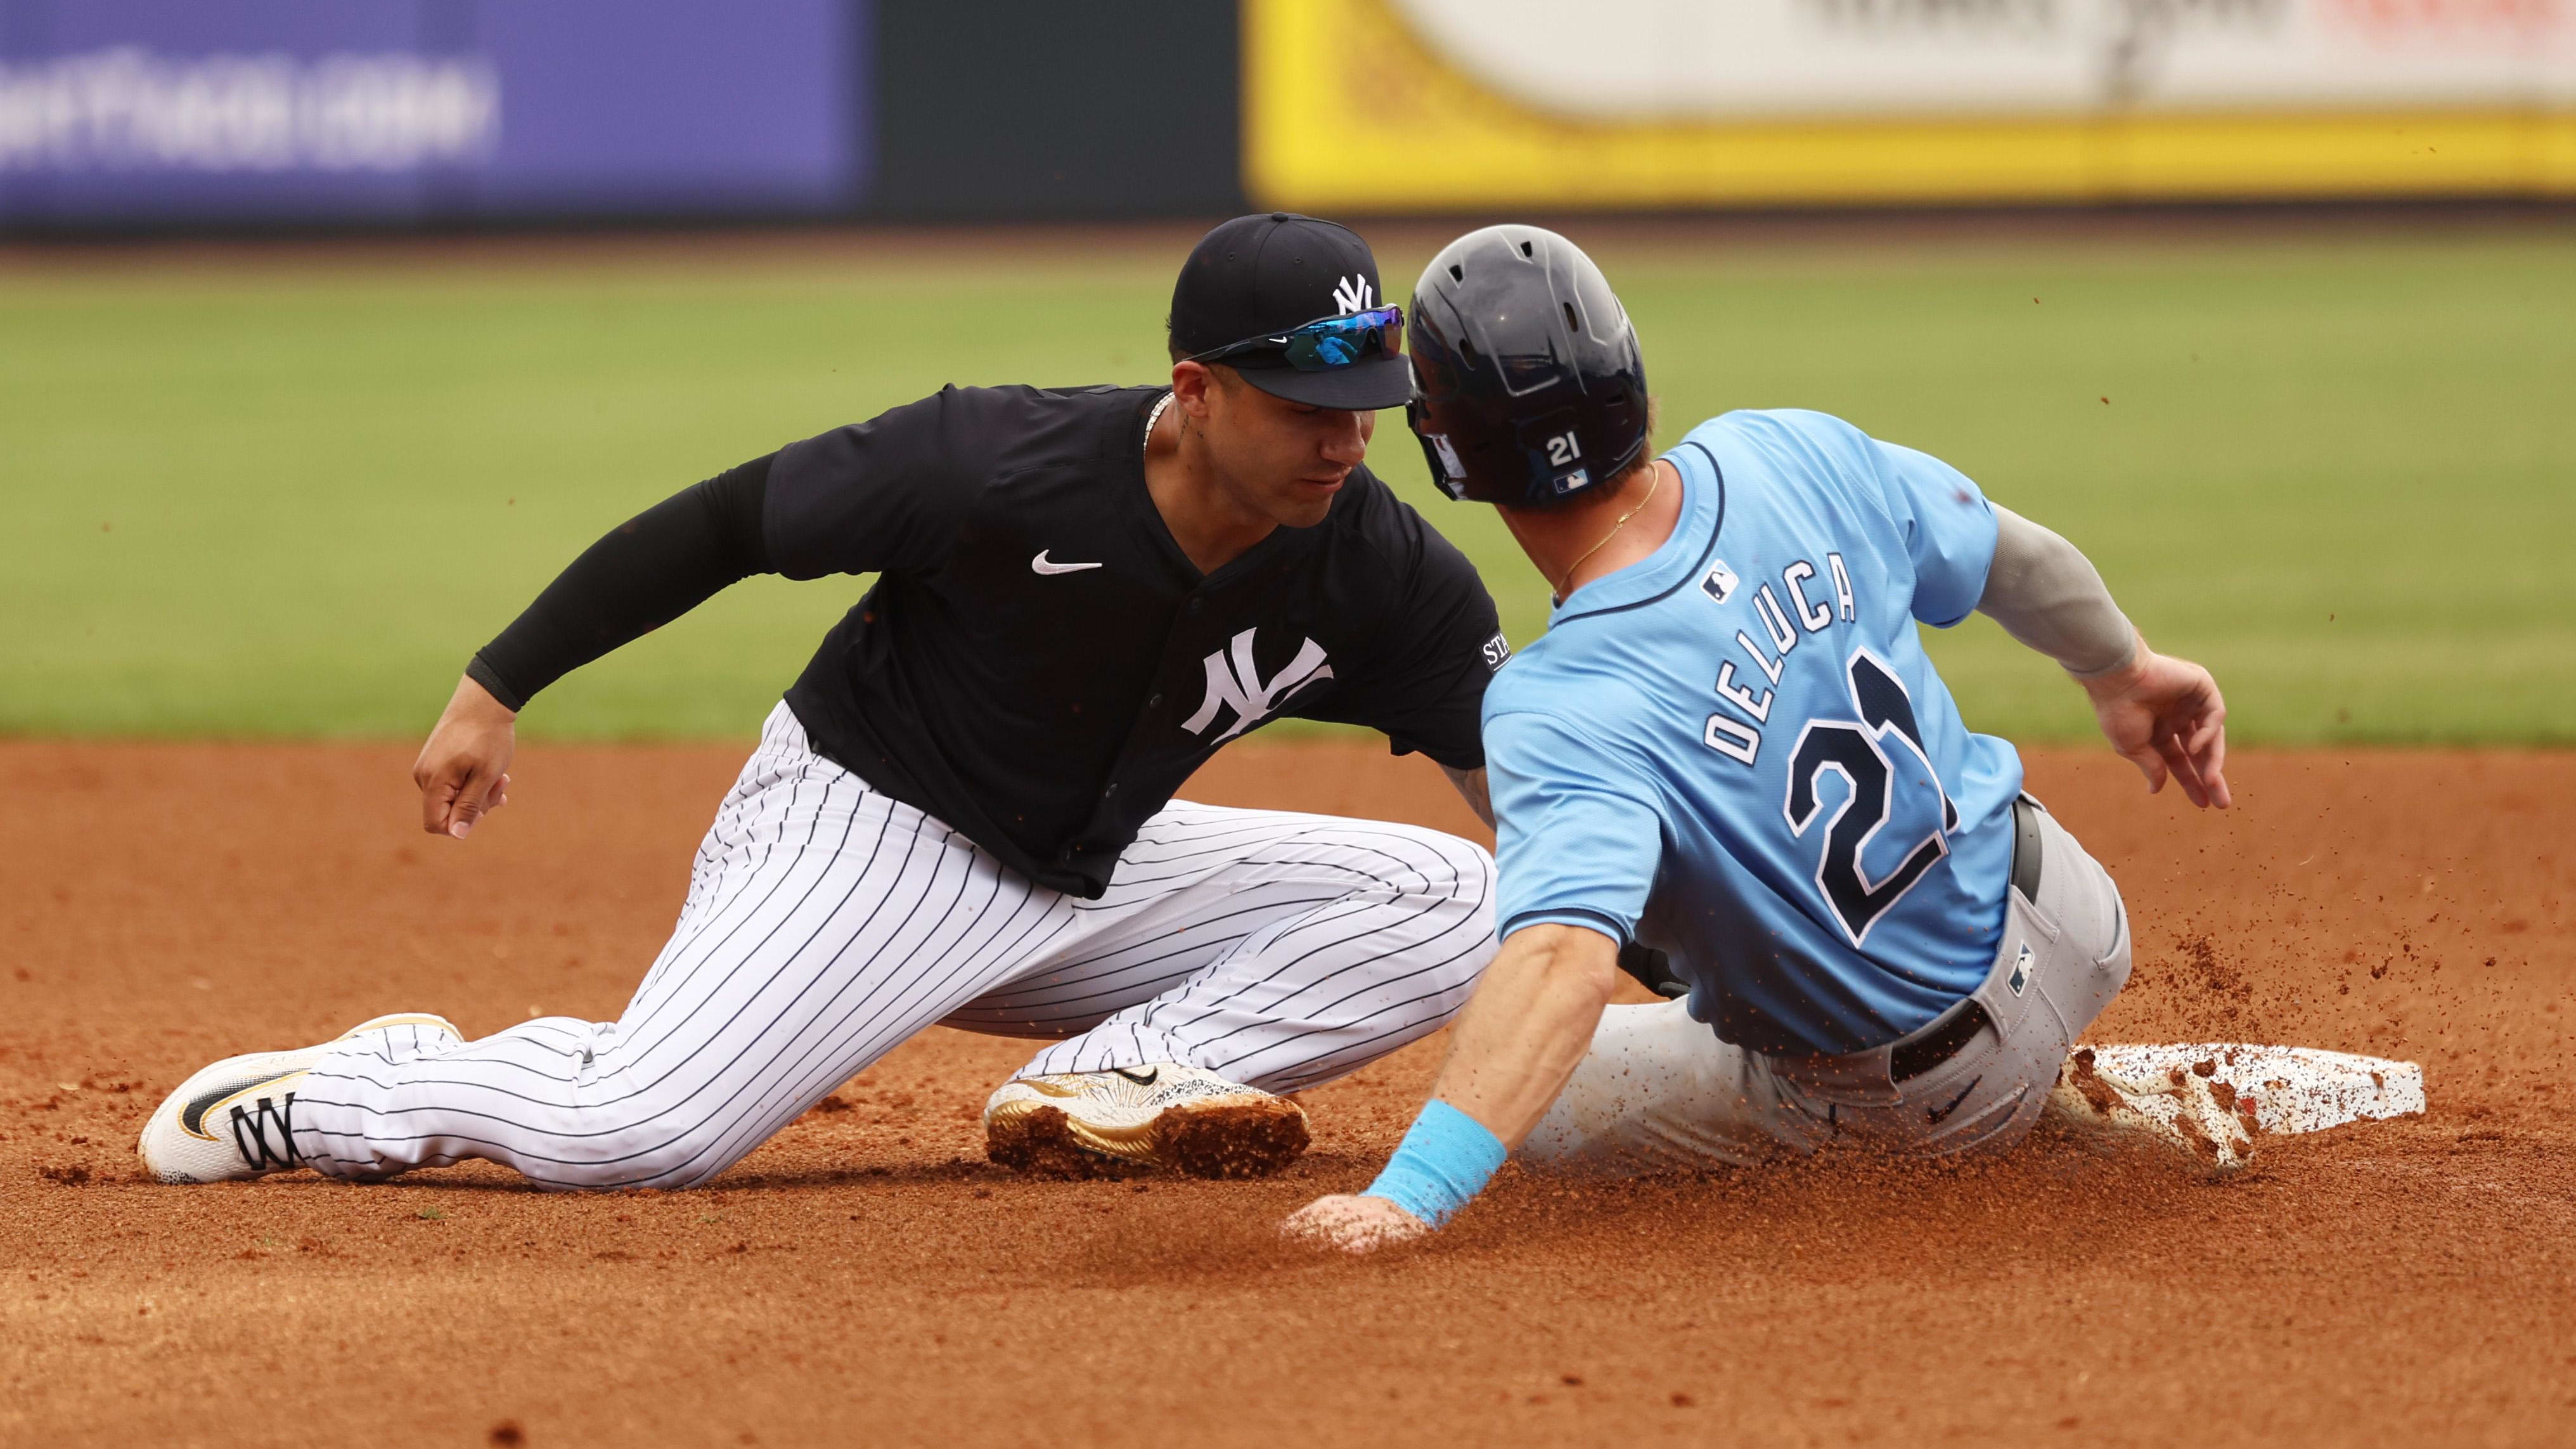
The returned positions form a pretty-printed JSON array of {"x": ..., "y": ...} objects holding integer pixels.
[{"x": 1351, "y": 294}]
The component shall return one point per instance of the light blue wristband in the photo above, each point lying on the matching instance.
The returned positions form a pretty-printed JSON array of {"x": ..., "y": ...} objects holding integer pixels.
[{"x": 1446, "y": 1158}]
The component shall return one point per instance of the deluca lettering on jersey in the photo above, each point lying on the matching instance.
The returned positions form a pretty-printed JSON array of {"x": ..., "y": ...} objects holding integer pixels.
[
  {"x": 1783, "y": 617},
  {"x": 1234, "y": 682}
]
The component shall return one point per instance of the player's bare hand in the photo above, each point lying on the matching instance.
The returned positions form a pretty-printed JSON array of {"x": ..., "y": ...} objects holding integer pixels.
[
  {"x": 463, "y": 772},
  {"x": 2165, "y": 716},
  {"x": 1352, "y": 1223}
]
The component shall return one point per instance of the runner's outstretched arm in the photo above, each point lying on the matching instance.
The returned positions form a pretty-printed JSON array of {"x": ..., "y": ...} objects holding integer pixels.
[
  {"x": 1513, "y": 1050},
  {"x": 2164, "y": 715}
]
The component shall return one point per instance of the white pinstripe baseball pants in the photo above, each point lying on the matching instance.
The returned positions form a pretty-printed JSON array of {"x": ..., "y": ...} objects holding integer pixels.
[{"x": 826, "y": 923}]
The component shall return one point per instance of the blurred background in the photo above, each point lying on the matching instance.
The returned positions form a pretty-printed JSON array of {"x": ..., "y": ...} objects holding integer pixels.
[{"x": 329, "y": 331}]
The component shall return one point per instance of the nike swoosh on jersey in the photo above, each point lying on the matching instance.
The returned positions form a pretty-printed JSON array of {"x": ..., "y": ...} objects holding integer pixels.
[
  {"x": 192, "y": 1118},
  {"x": 1147, "y": 1078},
  {"x": 1041, "y": 565}
]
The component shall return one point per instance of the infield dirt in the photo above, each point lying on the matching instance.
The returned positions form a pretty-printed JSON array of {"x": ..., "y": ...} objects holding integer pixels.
[{"x": 868, "y": 1278}]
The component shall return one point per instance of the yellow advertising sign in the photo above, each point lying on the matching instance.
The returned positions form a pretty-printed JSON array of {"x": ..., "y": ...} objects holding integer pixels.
[{"x": 1442, "y": 105}]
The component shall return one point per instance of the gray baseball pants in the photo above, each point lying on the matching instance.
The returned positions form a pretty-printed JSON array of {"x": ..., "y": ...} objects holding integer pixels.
[{"x": 1659, "y": 1091}]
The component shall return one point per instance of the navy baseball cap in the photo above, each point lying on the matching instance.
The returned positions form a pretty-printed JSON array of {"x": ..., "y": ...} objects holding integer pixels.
[{"x": 1256, "y": 279}]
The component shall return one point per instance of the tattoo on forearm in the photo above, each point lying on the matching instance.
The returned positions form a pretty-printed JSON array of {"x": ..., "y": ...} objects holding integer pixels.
[{"x": 1471, "y": 784}]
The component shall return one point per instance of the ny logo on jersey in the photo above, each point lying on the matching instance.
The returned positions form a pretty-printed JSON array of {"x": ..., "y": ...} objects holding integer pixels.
[
  {"x": 1352, "y": 294},
  {"x": 1234, "y": 682}
]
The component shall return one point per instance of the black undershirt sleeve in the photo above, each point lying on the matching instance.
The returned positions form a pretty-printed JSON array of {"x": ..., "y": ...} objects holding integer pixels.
[{"x": 655, "y": 567}]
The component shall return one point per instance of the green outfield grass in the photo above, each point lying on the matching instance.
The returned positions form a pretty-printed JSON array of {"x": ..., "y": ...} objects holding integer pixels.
[{"x": 290, "y": 502}]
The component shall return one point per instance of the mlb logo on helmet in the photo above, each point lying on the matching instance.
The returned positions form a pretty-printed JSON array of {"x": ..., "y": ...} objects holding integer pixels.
[{"x": 1450, "y": 467}]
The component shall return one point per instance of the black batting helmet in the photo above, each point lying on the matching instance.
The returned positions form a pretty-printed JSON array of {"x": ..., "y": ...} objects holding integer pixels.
[{"x": 1528, "y": 386}]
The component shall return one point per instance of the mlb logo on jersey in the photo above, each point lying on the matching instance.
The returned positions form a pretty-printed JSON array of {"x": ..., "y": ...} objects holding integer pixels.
[{"x": 1721, "y": 582}]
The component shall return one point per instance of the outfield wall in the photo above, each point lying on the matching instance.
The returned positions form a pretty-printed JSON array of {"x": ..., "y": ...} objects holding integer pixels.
[
  {"x": 1686, "y": 104},
  {"x": 144, "y": 111},
  {"x": 125, "y": 113},
  {"x": 158, "y": 113}
]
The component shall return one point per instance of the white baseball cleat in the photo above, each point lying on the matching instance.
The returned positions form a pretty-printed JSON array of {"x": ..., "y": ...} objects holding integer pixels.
[
  {"x": 1128, "y": 1119},
  {"x": 234, "y": 1120},
  {"x": 2202, "y": 1120}
]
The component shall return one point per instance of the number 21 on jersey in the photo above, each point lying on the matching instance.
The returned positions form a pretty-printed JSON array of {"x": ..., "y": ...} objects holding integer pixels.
[{"x": 1860, "y": 753}]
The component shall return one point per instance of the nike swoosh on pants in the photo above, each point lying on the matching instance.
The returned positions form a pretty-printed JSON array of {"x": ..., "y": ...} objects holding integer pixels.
[{"x": 1938, "y": 1114}]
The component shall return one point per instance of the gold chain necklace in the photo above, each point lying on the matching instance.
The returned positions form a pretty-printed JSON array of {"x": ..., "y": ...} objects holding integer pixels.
[{"x": 1658, "y": 474}]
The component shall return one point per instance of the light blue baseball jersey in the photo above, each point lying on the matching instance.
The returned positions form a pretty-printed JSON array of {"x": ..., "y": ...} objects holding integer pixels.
[{"x": 1735, "y": 749}]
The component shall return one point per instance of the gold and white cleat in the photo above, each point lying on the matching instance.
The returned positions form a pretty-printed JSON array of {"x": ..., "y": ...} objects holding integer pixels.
[
  {"x": 2204, "y": 1121},
  {"x": 1132, "y": 1119},
  {"x": 235, "y": 1120}
]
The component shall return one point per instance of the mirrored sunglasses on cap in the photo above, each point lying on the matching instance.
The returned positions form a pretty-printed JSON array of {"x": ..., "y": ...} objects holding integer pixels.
[{"x": 1325, "y": 343}]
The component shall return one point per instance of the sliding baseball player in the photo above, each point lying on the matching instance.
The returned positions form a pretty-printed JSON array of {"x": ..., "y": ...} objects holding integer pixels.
[{"x": 1731, "y": 748}]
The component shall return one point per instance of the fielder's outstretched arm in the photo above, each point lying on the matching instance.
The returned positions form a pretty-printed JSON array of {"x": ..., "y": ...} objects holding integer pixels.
[
  {"x": 652, "y": 569},
  {"x": 2162, "y": 714},
  {"x": 1513, "y": 1049}
]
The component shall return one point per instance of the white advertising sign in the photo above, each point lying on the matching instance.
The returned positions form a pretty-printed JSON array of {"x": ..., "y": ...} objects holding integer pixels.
[{"x": 1614, "y": 61}]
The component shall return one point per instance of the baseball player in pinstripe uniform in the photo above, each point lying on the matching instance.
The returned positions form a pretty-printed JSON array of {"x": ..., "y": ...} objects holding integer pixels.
[{"x": 962, "y": 811}]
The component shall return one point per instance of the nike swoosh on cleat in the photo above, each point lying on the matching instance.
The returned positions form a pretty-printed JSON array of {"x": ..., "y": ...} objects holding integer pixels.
[
  {"x": 1040, "y": 565},
  {"x": 192, "y": 1118},
  {"x": 1151, "y": 1075},
  {"x": 1938, "y": 1113}
]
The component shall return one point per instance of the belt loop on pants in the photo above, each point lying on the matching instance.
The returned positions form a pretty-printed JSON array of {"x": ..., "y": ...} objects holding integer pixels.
[
  {"x": 2026, "y": 851},
  {"x": 1952, "y": 1030}
]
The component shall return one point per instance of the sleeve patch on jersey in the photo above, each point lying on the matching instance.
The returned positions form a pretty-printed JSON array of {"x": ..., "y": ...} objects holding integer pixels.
[{"x": 1497, "y": 650}]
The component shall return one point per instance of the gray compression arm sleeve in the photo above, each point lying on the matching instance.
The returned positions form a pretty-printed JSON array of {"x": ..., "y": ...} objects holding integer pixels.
[{"x": 2046, "y": 594}]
